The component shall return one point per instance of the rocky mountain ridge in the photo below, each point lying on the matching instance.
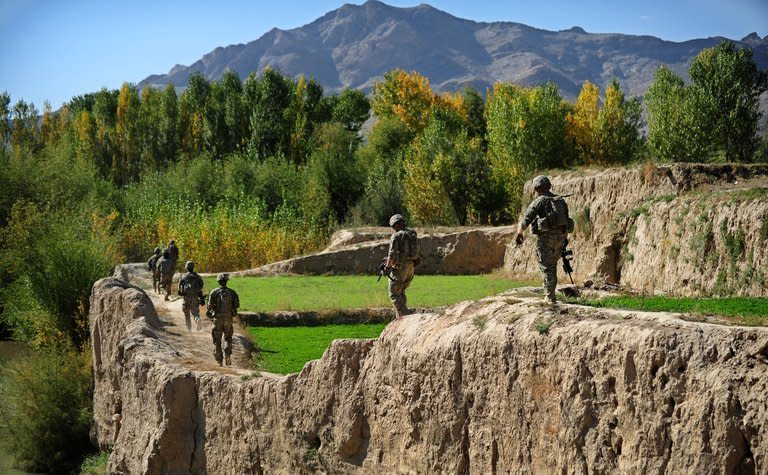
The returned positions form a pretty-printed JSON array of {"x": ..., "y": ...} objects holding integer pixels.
[{"x": 355, "y": 45}]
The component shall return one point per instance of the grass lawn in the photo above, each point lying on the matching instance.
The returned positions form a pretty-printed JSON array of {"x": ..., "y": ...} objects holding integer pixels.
[
  {"x": 286, "y": 349},
  {"x": 268, "y": 294},
  {"x": 738, "y": 310}
]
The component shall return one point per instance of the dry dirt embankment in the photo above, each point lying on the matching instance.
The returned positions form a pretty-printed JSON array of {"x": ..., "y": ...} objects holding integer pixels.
[
  {"x": 502, "y": 385},
  {"x": 684, "y": 229},
  {"x": 444, "y": 251}
]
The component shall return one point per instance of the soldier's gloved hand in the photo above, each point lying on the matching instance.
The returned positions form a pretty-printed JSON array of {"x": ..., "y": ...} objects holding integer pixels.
[{"x": 519, "y": 238}]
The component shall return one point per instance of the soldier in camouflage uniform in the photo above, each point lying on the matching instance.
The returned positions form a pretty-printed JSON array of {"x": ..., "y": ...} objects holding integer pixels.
[
  {"x": 152, "y": 265},
  {"x": 223, "y": 303},
  {"x": 173, "y": 251},
  {"x": 401, "y": 260},
  {"x": 191, "y": 288},
  {"x": 165, "y": 269},
  {"x": 550, "y": 242}
]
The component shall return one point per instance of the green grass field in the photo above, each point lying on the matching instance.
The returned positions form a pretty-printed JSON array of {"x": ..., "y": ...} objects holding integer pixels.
[
  {"x": 269, "y": 294},
  {"x": 738, "y": 310},
  {"x": 286, "y": 349}
]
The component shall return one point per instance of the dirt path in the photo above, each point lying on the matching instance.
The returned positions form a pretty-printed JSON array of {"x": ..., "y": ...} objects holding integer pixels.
[{"x": 194, "y": 347}]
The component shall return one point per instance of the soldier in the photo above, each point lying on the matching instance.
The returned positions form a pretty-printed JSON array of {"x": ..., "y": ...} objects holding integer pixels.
[
  {"x": 402, "y": 258},
  {"x": 152, "y": 266},
  {"x": 223, "y": 303},
  {"x": 191, "y": 288},
  {"x": 548, "y": 215},
  {"x": 174, "y": 252},
  {"x": 165, "y": 270}
]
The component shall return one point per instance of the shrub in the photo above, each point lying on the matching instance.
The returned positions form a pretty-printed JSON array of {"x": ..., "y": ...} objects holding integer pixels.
[
  {"x": 45, "y": 409},
  {"x": 95, "y": 464}
]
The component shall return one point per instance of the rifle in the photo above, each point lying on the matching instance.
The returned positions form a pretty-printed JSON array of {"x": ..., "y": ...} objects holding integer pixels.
[
  {"x": 567, "y": 255},
  {"x": 384, "y": 270}
]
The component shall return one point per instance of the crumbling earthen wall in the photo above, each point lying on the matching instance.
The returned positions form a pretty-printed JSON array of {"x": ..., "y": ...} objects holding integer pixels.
[
  {"x": 685, "y": 229},
  {"x": 501, "y": 385}
]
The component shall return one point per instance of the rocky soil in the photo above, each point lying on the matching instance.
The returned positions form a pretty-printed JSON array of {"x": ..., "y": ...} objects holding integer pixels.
[{"x": 501, "y": 385}]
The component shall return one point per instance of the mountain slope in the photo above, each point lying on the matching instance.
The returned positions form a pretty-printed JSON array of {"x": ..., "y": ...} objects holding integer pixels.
[{"x": 354, "y": 46}]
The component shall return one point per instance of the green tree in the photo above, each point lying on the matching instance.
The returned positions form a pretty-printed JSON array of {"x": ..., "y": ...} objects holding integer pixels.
[
  {"x": 448, "y": 177},
  {"x": 104, "y": 118},
  {"x": 334, "y": 182},
  {"x": 149, "y": 129},
  {"x": 168, "y": 125},
  {"x": 474, "y": 105},
  {"x": 267, "y": 101},
  {"x": 302, "y": 114},
  {"x": 728, "y": 81},
  {"x": 526, "y": 132},
  {"x": 351, "y": 109},
  {"x": 675, "y": 132},
  {"x": 381, "y": 159},
  {"x": 5, "y": 120},
  {"x": 216, "y": 136},
  {"x": 618, "y": 123},
  {"x": 195, "y": 108},
  {"x": 25, "y": 132},
  {"x": 235, "y": 116},
  {"x": 126, "y": 163}
]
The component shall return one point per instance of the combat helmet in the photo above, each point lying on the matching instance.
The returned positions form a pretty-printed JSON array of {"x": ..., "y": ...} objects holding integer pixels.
[
  {"x": 223, "y": 277},
  {"x": 396, "y": 218},
  {"x": 541, "y": 181},
  {"x": 190, "y": 266}
]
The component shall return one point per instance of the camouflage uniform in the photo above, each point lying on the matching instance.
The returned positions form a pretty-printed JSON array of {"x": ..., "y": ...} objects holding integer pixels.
[
  {"x": 173, "y": 252},
  {"x": 165, "y": 269},
  {"x": 549, "y": 245},
  {"x": 152, "y": 265},
  {"x": 402, "y": 268},
  {"x": 222, "y": 307},
  {"x": 191, "y": 288}
]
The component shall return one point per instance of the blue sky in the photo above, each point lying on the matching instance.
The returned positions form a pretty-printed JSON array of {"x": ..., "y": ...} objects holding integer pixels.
[{"x": 55, "y": 49}]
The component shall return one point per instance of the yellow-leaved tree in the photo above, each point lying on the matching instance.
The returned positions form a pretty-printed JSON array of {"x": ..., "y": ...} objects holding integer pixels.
[
  {"x": 406, "y": 96},
  {"x": 582, "y": 122}
]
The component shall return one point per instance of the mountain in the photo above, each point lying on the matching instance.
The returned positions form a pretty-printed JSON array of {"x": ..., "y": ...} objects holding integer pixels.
[{"x": 355, "y": 45}]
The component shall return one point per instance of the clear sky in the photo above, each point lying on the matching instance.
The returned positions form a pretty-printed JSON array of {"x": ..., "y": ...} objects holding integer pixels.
[{"x": 56, "y": 49}]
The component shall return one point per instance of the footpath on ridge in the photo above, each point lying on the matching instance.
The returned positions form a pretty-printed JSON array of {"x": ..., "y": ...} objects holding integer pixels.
[{"x": 195, "y": 347}]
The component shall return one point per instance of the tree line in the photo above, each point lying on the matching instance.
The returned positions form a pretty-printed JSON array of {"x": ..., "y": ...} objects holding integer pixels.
[{"x": 451, "y": 158}]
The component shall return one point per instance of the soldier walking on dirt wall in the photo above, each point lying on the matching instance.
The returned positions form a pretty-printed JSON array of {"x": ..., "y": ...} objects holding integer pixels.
[
  {"x": 403, "y": 256},
  {"x": 152, "y": 266},
  {"x": 191, "y": 288},
  {"x": 166, "y": 269},
  {"x": 223, "y": 303},
  {"x": 549, "y": 220}
]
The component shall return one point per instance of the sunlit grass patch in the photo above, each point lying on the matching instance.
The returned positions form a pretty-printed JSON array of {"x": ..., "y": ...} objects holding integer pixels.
[
  {"x": 268, "y": 294},
  {"x": 737, "y": 310},
  {"x": 286, "y": 349}
]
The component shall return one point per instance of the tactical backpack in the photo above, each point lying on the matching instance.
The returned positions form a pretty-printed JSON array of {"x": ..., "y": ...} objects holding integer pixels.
[
  {"x": 414, "y": 251},
  {"x": 556, "y": 218}
]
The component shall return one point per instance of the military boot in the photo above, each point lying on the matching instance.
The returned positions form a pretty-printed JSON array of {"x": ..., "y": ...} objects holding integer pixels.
[{"x": 227, "y": 360}]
